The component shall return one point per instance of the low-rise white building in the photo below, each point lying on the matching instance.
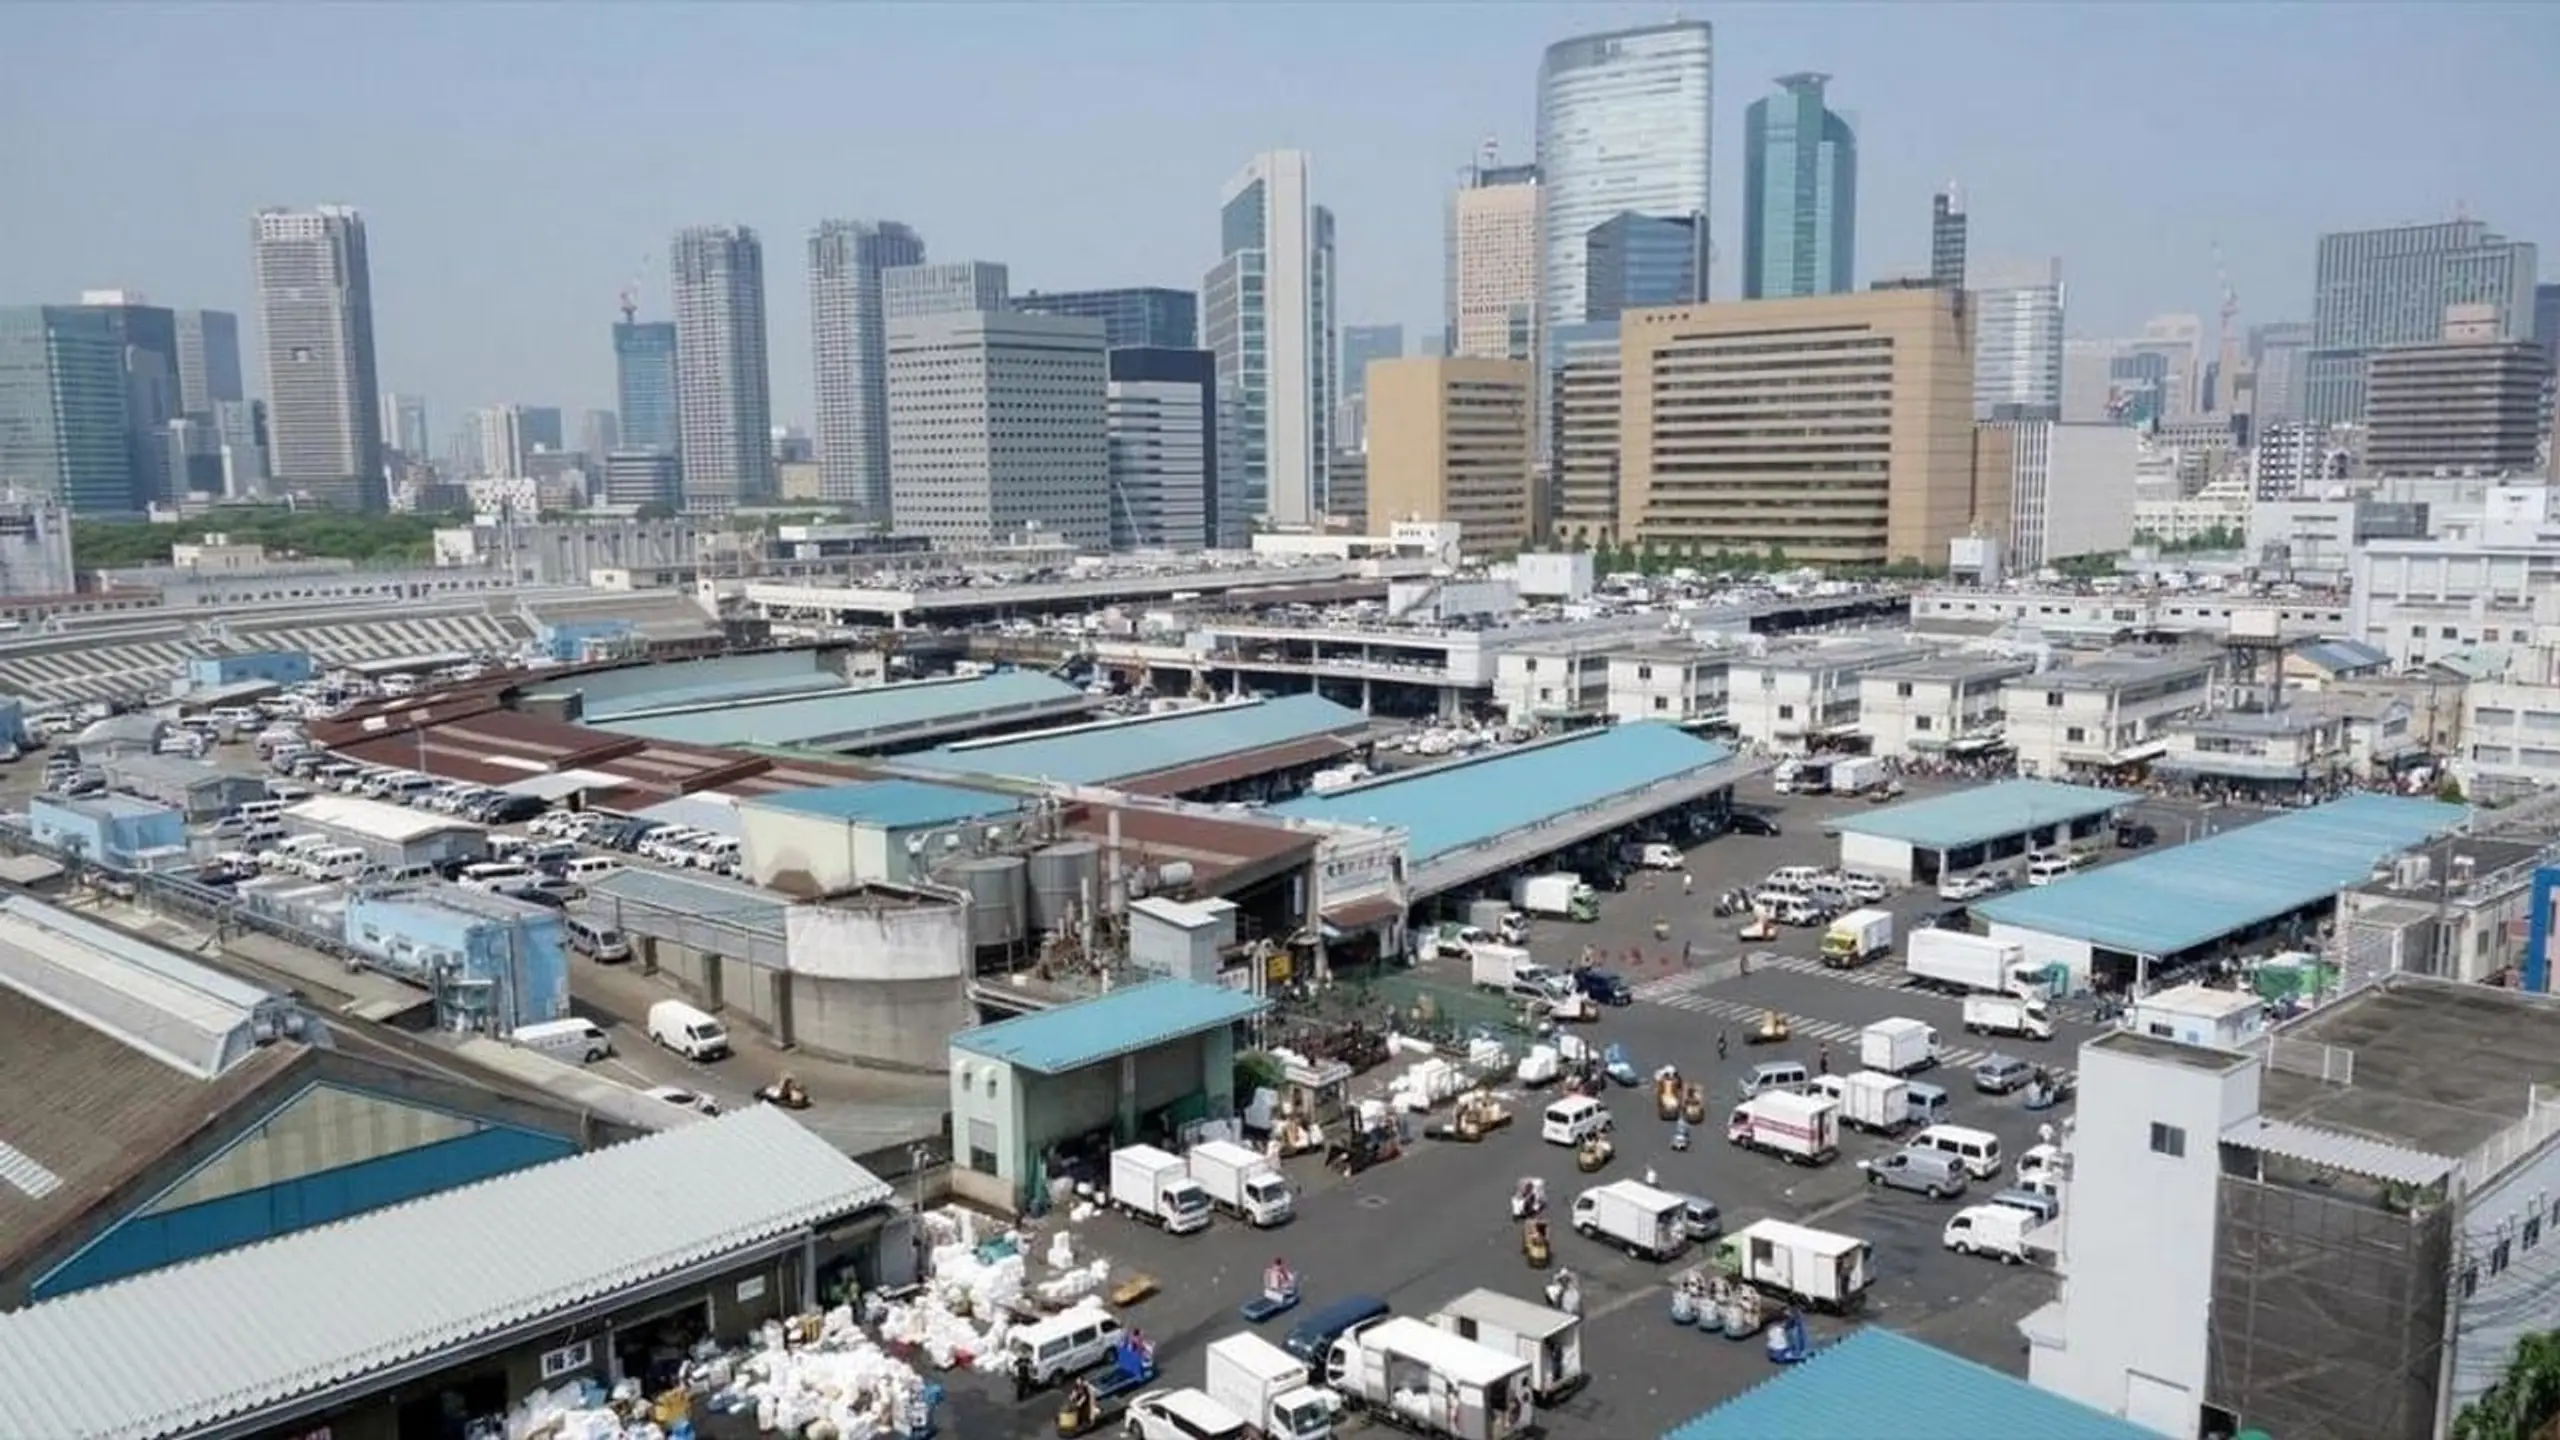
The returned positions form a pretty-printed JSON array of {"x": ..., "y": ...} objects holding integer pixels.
[
  {"x": 2269, "y": 752},
  {"x": 1792, "y": 697},
  {"x": 1681, "y": 683},
  {"x": 1923, "y": 707},
  {"x": 2138, "y": 611},
  {"x": 1556, "y": 679},
  {"x": 2101, "y": 715},
  {"x": 2456, "y": 910},
  {"x": 2420, "y": 600},
  {"x": 2071, "y": 489},
  {"x": 2511, "y": 741}
]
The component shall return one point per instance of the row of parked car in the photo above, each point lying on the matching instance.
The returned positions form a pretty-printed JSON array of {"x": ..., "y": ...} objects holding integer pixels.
[{"x": 680, "y": 847}]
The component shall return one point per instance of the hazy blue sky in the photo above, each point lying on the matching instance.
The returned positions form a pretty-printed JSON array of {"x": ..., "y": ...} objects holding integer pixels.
[{"x": 519, "y": 164}]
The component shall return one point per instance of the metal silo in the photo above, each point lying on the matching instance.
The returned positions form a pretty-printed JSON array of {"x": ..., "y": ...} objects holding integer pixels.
[
  {"x": 995, "y": 887},
  {"x": 1063, "y": 877}
]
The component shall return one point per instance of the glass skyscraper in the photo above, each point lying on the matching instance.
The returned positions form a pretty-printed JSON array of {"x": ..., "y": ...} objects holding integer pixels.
[
  {"x": 1267, "y": 307},
  {"x": 644, "y": 365},
  {"x": 1799, "y": 194},
  {"x": 1140, "y": 317},
  {"x": 63, "y": 428},
  {"x": 1632, "y": 262},
  {"x": 1625, "y": 123},
  {"x": 849, "y": 331}
]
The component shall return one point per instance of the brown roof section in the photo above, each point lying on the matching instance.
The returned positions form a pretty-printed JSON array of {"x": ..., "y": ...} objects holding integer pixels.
[
  {"x": 781, "y": 777},
  {"x": 399, "y": 717},
  {"x": 493, "y": 747},
  {"x": 96, "y": 1112},
  {"x": 680, "y": 769},
  {"x": 1225, "y": 855},
  {"x": 1185, "y": 779}
]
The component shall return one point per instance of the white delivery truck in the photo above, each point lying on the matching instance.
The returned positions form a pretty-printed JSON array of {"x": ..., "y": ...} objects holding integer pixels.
[
  {"x": 1814, "y": 1268},
  {"x": 1421, "y": 1378},
  {"x": 1634, "y": 1216},
  {"x": 1269, "y": 1388},
  {"x": 1243, "y": 1182},
  {"x": 1558, "y": 896},
  {"x": 1869, "y": 1100},
  {"x": 1549, "y": 1339},
  {"x": 1857, "y": 937},
  {"x": 1495, "y": 967},
  {"x": 1898, "y": 1046},
  {"x": 689, "y": 1032},
  {"x": 1856, "y": 774},
  {"x": 1155, "y": 1186},
  {"x": 1803, "y": 1129},
  {"x": 2007, "y": 1015},
  {"x": 1995, "y": 1230},
  {"x": 1966, "y": 962}
]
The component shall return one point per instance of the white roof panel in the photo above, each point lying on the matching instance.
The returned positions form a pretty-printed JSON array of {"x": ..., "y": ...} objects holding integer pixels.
[{"x": 396, "y": 824}]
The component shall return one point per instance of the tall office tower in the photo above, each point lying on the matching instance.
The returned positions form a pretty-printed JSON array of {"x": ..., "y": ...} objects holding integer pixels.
[
  {"x": 543, "y": 428},
  {"x": 1799, "y": 194},
  {"x": 599, "y": 435},
  {"x": 192, "y": 458},
  {"x": 2276, "y": 358},
  {"x": 1582, "y": 424},
  {"x": 1146, "y": 316},
  {"x": 849, "y": 338},
  {"x": 2470, "y": 403},
  {"x": 2177, "y": 342},
  {"x": 1360, "y": 345},
  {"x": 241, "y": 426},
  {"x": 2017, "y": 344},
  {"x": 1625, "y": 121},
  {"x": 1163, "y": 430},
  {"x": 1455, "y": 439},
  {"x": 642, "y": 478},
  {"x": 1493, "y": 262},
  {"x": 1636, "y": 262},
  {"x": 2088, "y": 381},
  {"x": 1269, "y": 309},
  {"x": 404, "y": 424},
  {"x": 2372, "y": 288},
  {"x": 1835, "y": 428},
  {"x": 1946, "y": 239},
  {"x": 147, "y": 335},
  {"x": 498, "y": 442},
  {"x": 724, "y": 388},
  {"x": 644, "y": 383},
  {"x": 208, "y": 360},
  {"x": 2546, "y": 323},
  {"x": 315, "y": 303},
  {"x": 2067, "y": 490},
  {"x": 949, "y": 288},
  {"x": 998, "y": 424},
  {"x": 62, "y": 409}
]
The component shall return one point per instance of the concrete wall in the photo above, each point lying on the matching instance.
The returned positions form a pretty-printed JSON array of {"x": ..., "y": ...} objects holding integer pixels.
[
  {"x": 802, "y": 853},
  {"x": 989, "y": 1160},
  {"x": 2509, "y": 1233},
  {"x": 1876, "y": 855},
  {"x": 880, "y": 981}
]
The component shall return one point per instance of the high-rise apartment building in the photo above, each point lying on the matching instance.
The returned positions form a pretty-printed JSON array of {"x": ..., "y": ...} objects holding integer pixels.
[
  {"x": 63, "y": 433},
  {"x": 724, "y": 388},
  {"x": 644, "y": 384},
  {"x": 208, "y": 360},
  {"x": 1625, "y": 123},
  {"x": 946, "y": 288},
  {"x": 1947, "y": 233},
  {"x": 404, "y": 424},
  {"x": 1582, "y": 424},
  {"x": 1268, "y": 304},
  {"x": 1148, "y": 317},
  {"x": 315, "y": 304},
  {"x": 1493, "y": 262},
  {"x": 147, "y": 339},
  {"x": 849, "y": 335},
  {"x": 2017, "y": 344},
  {"x": 1835, "y": 428},
  {"x": 2373, "y": 288},
  {"x": 1636, "y": 262},
  {"x": 1163, "y": 427},
  {"x": 1455, "y": 439},
  {"x": 1799, "y": 194},
  {"x": 2470, "y": 403},
  {"x": 498, "y": 443},
  {"x": 998, "y": 424}
]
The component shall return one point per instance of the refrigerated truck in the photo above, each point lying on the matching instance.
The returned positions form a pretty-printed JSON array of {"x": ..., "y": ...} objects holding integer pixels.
[
  {"x": 1967, "y": 962},
  {"x": 1421, "y": 1378},
  {"x": 1857, "y": 937},
  {"x": 1818, "y": 1269},
  {"x": 1802, "y": 1129},
  {"x": 1548, "y": 1339}
]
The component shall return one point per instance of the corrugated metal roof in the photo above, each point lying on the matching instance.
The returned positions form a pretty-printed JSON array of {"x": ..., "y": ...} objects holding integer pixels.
[
  {"x": 1133, "y": 1017},
  {"x": 1969, "y": 817},
  {"x": 231, "y": 1335},
  {"x": 894, "y": 804},
  {"x": 1877, "y": 1382},
  {"x": 2374, "y": 1159},
  {"x": 705, "y": 897},
  {"x": 847, "y": 715},
  {"x": 2340, "y": 655},
  {"x": 1450, "y": 807},
  {"x": 187, "y": 1016},
  {"x": 1099, "y": 754},
  {"x": 396, "y": 824},
  {"x": 1185, "y": 779},
  {"x": 2178, "y": 898}
]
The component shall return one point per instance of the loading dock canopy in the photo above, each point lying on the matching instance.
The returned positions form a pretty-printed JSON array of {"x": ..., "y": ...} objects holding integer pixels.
[{"x": 1976, "y": 817}]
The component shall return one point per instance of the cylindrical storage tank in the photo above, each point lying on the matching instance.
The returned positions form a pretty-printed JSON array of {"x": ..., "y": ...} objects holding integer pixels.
[
  {"x": 1061, "y": 876},
  {"x": 995, "y": 887}
]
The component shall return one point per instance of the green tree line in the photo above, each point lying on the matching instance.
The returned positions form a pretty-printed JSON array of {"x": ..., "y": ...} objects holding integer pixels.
[{"x": 313, "y": 534}]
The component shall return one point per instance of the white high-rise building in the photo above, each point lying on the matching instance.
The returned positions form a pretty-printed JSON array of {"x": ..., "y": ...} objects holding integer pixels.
[
  {"x": 950, "y": 287},
  {"x": 1494, "y": 262},
  {"x": 315, "y": 305},
  {"x": 1625, "y": 123},
  {"x": 849, "y": 334},
  {"x": 2017, "y": 345},
  {"x": 404, "y": 424},
  {"x": 724, "y": 390},
  {"x": 1269, "y": 305},
  {"x": 997, "y": 425},
  {"x": 498, "y": 442}
]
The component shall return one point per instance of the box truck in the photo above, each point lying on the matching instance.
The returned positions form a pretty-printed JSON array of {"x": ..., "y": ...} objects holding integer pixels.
[
  {"x": 1857, "y": 937},
  {"x": 1869, "y": 1100},
  {"x": 1495, "y": 967},
  {"x": 1966, "y": 962},
  {"x": 1243, "y": 1182},
  {"x": 1898, "y": 1046},
  {"x": 1813, "y": 1268},
  {"x": 1549, "y": 1339},
  {"x": 1421, "y": 1378},
  {"x": 1804, "y": 1129},
  {"x": 1635, "y": 1217},
  {"x": 1269, "y": 1388},
  {"x": 1856, "y": 774},
  {"x": 2007, "y": 1015},
  {"x": 1156, "y": 1186},
  {"x": 1995, "y": 1230},
  {"x": 1558, "y": 896}
]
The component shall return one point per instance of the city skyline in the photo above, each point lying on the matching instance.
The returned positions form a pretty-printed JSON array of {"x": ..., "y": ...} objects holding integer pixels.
[{"x": 1387, "y": 185}]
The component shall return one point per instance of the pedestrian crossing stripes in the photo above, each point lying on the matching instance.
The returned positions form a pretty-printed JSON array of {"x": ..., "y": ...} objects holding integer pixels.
[
  {"x": 1881, "y": 975},
  {"x": 124, "y": 665},
  {"x": 1684, "y": 992}
]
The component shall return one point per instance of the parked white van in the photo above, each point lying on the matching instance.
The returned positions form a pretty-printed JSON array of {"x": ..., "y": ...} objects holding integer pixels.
[
  {"x": 687, "y": 1031},
  {"x": 1978, "y": 1149},
  {"x": 1065, "y": 1345},
  {"x": 494, "y": 876},
  {"x": 1994, "y": 1230},
  {"x": 1571, "y": 1119},
  {"x": 338, "y": 862},
  {"x": 596, "y": 940},
  {"x": 582, "y": 1041}
]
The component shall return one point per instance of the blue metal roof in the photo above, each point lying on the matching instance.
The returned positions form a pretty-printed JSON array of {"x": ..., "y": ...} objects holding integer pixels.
[
  {"x": 1450, "y": 807},
  {"x": 1084, "y": 1032},
  {"x": 849, "y": 713},
  {"x": 1100, "y": 754},
  {"x": 893, "y": 804},
  {"x": 2341, "y": 655},
  {"x": 2189, "y": 895},
  {"x": 1969, "y": 817},
  {"x": 599, "y": 708},
  {"x": 1877, "y": 1382}
]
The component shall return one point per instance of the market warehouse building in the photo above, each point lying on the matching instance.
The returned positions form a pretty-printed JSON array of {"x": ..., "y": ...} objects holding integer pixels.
[
  {"x": 1246, "y": 750},
  {"x": 1042, "y": 1092},
  {"x": 390, "y": 1324},
  {"x": 1926, "y": 841}
]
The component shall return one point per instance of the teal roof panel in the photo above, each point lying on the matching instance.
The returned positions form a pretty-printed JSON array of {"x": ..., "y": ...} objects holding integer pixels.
[
  {"x": 1108, "y": 1026},
  {"x": 1969, "y": 817},
  {"x": 893, "y": 804},
  {"x": 1878, "y": 1382},
  {"x": 843, "y": 714},
  {"x": 1100, "y": 754}
]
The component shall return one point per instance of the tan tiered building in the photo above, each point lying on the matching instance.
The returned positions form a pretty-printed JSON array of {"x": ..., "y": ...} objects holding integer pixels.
[
  {"x": 1835, "y": 428},
  {"x": 1454, "y": 438},
  {"x": 1582, "y": 415}
]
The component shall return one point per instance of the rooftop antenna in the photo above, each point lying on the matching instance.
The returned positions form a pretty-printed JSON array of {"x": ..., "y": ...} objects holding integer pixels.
[{"x": 630, "y": 302}]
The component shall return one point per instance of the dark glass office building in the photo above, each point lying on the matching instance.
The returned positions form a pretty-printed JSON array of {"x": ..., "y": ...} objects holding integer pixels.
[
  {"x": 1165, "y": 478},
  {"x": 644, "y": 359},
  {"x": 63, "y": 429},
  {"x": 1633, "y": 262},
  {"x": 1149, "y": 316}
]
